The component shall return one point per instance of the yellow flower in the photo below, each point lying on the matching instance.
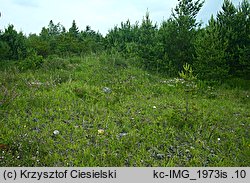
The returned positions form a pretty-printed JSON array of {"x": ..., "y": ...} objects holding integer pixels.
[{"x": 100, "y": 131}]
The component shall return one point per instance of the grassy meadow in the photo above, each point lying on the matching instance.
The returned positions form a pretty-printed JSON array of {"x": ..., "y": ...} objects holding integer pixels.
[{"x": 104, "y": 111}]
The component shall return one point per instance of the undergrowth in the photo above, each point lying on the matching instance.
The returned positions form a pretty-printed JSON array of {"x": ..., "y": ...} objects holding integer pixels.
[{"x": 104, "y": 111}]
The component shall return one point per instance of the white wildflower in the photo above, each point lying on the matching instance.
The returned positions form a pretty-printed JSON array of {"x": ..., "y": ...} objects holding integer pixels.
[
  {"x": 107, "y": 90},
  {"x": 56, "y": 132},
  {"x": 123, "y": 134}
]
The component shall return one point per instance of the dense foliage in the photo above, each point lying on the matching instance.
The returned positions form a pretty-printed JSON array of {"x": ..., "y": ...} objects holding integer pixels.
[{"x": 217, "y": 51}]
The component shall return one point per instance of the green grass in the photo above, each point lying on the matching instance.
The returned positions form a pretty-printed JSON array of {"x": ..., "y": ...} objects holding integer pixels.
[{"x": 143, "y": 117}]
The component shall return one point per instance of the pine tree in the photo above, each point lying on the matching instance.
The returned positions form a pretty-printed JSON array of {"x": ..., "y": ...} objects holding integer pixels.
[
  {"x": 242, "y": 45},
  {"x": 16, "y": 42},
  {"x": 147, "y": 43},
  {"x": 211, "y": 63},
  {"x": 73, "y": 30},
  {"x": 234, "y": 29},
  {"x": 183, "y": 30},
  {"x": 54, "y": 30}
]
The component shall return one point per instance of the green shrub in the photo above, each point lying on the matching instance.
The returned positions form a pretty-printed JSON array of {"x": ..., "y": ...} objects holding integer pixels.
[
  {"x": 32, "y": 62},
  {"x": 4, "y": 50},
  {"x": 189, "y": 85},
  {"x": 56, "y": 63}
]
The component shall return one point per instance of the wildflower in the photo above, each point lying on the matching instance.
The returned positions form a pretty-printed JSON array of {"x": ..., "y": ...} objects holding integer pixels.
[
  {"x": 154, "y": 107},
  {"x": 107, "y": 90},
  {"x": 100, "y": 131},
  {"x": 164, "y": 81},
  {"x": 56, "y": 132},
  {"x": 123, "y": 134},
  {"x": 218, "y": 139}
]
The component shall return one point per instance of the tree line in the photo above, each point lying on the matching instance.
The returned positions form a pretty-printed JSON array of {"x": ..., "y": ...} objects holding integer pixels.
[{"x": 216, "y": 51}]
